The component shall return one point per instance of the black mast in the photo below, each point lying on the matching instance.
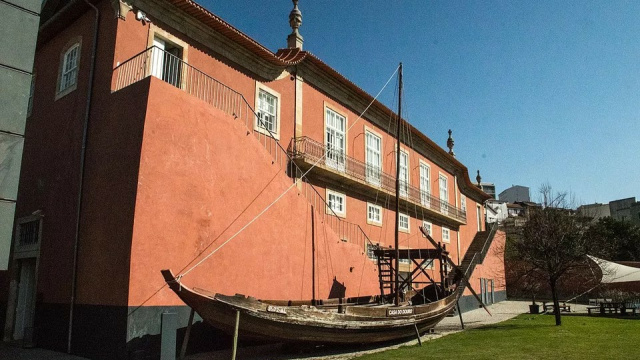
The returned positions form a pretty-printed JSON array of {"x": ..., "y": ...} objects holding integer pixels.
[{"x": 397, "y": 272}]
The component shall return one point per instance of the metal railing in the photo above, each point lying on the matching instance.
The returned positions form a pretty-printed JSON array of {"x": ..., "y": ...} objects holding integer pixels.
[
  {"x": 488, "y": 242},
  {"x": 313, "y": 151},
  {"x": 173, "y": 70},
  {"x": 478, "y": 256}
]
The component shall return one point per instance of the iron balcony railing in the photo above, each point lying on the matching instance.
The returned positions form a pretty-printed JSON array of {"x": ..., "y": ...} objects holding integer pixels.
[
  {"x": 308, "y": 149},
  {"x": 173, "y": 70}
]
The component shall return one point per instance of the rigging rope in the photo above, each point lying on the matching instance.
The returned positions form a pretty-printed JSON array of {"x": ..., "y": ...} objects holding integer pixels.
[{"x": 286, "y": 190}]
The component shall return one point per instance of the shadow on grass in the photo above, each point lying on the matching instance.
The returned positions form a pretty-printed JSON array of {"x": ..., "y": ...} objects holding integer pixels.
[
  {"x": 604, "y": 316},
  {"x": 512, "y": 326}
]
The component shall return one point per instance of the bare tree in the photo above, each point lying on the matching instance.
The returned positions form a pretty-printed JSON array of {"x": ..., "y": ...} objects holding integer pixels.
[
  {"x": 550, "y": 198},
  {"x": 552, "y": 242}
]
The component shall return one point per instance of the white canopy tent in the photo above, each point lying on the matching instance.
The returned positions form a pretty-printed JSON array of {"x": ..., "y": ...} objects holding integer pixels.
[{"x": 616, "y": 273}]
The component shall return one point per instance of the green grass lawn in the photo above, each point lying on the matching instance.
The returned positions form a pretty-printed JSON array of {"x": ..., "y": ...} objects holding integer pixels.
[{"x": 533, "y": 337}]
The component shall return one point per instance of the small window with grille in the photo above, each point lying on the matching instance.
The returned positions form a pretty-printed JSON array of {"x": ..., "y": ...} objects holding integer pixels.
[
  {"x": 27, "y": 235},
  {"x": 370, "y": 251}
]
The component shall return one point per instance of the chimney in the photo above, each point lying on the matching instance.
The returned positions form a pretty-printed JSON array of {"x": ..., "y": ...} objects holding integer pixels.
[{"x": 295, "y": 40}]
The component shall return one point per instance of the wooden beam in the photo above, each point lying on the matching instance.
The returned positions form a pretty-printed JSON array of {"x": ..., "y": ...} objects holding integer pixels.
[
  {"x": 235, "y": 336},
  {"x": 185, "y": 341}
]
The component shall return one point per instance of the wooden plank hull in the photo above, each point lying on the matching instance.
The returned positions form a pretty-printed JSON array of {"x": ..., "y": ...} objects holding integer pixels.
[{"x": 355, "y": 324}]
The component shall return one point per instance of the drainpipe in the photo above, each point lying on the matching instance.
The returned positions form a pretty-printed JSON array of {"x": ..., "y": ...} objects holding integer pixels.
[{"x": 74, "y": 276}]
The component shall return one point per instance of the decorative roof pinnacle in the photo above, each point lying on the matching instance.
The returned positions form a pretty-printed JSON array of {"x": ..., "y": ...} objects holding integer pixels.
[
  {"x": 295, "y": 40},
  {"x": 478, "y": 178},
  {"x": 450, "y": 144}
]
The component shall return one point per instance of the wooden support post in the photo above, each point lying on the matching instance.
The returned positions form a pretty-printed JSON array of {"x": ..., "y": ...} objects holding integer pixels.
[
  {"x": 418, "y": 334},
  {"x": 185, "y": 341},
  {"x": 460, "y": 314},
  {"x": 235, "y": 336},
  {"x": 313, "y": 257}
]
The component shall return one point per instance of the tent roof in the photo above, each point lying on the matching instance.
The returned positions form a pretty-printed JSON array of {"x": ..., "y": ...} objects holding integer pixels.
[{"x": 616, "y": 273}]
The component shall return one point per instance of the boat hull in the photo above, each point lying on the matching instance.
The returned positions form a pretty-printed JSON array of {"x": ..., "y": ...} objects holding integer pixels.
[{"x": 350, "y": 325}]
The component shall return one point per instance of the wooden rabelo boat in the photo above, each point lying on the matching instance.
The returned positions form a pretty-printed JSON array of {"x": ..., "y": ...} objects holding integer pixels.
[
  {"x": 401, "y": 313},
  {"x": 365, "y": 319}
]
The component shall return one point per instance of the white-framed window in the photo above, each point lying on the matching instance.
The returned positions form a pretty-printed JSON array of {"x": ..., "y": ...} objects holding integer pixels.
[
  {"x": 404, "y": 261},
  {"x": 373, "y": 157},
  {"x": 444, "y": 193},
  {"x": 404, "y": 174},
  {"x": 335, "y": 139},
  {"x": 267, "y": 105},
  {"x": 374, "y": 214},
  {"x": 336, "y": 203},
  {"x": 425, "y": 184},
  {"x": 428, "y": 227},
  {"x": 479, "y": 217},
  {"x": 69, "y": 69},
  {"x": 268, "y": 111},
  {"x": 403, "y": 224},
  {"x": 463, "y": 203},
  {"x": 31, "y": 90},
  {"x": 446, "y": 235}
]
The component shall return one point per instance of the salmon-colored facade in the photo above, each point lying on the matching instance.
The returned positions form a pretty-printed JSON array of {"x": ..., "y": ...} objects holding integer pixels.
[{"x": 176, "y": 173}]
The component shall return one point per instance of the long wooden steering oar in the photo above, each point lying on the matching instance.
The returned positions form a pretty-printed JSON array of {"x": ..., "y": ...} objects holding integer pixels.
[{"x": 456, "y": 268}]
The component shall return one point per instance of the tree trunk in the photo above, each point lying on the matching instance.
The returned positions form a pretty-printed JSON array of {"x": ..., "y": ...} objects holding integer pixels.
[{"x": 556, "y": 303}]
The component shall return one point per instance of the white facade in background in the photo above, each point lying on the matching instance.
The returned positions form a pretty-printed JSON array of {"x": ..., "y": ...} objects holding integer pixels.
[{"x": 496, "y": 211}]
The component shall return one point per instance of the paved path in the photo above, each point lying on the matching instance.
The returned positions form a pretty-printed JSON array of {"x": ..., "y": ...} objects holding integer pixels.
[{"x": 476, "y": 318}]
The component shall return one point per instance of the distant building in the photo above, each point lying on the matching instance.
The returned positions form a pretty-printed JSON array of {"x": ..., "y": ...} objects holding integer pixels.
[
  {"x": 595, "y": 211},
  {"x": 514, "y": 210},
  {"x": 489, "y": 189},
  {"x": 627, "y": 209},
  {"x": 496, "y": 211},
  {"x": 621, "y": 209},
  {"x": 514, "y": 194},
  {"x": 19, "y": 19},
  {"x": 634, "y": 213}
]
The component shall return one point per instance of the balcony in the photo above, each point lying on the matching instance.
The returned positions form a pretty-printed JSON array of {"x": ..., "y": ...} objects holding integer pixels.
[{"x": 334, "y": 166}]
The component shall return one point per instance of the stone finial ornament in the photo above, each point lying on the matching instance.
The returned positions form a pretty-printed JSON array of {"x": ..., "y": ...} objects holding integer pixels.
[
  {"x": 478, "y": 178},
  {"x": 450, "y": 144},
  {"x": 295, "y": 40}
]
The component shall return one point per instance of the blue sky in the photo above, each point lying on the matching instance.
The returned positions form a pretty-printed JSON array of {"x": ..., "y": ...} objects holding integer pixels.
[{"x": 534, "y": 91}]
